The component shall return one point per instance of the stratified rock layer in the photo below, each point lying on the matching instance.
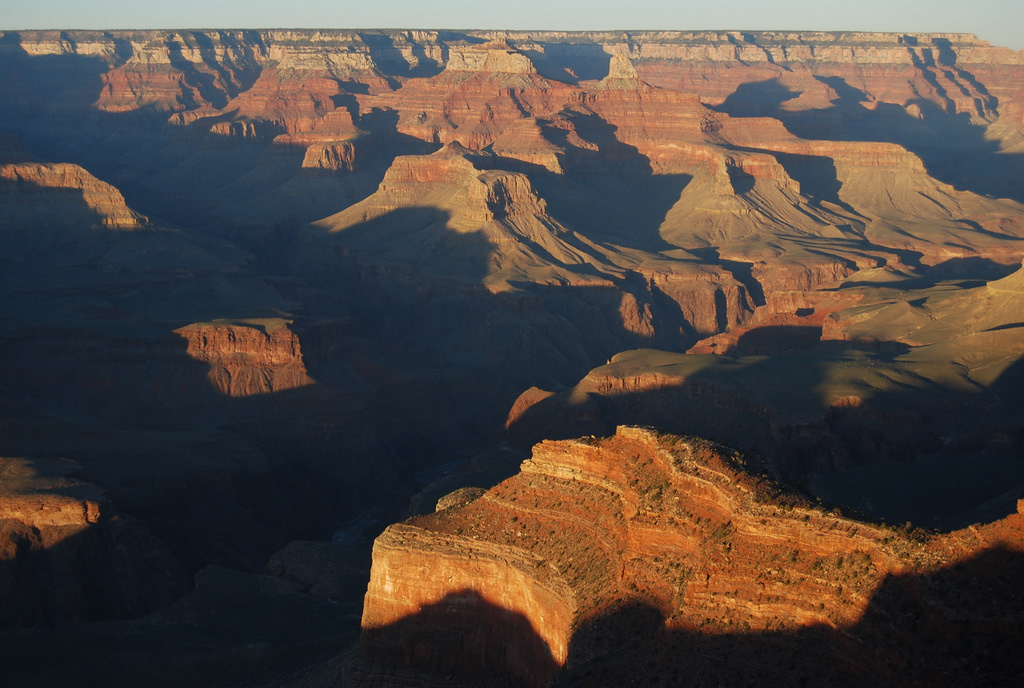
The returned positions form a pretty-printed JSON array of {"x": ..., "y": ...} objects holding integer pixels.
[
  {"x": 677, "y": 526},
  {"x": 259, "y": 357},
  {"x": 67, "y": 556}
]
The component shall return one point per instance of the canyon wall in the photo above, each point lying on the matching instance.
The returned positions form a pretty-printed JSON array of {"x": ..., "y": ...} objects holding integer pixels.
[
  {"x": 658, "y": 536},
  {"x": 67, "y": 556}
]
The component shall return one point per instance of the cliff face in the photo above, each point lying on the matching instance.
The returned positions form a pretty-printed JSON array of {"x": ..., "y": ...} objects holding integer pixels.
[
  {"x": 594, "y": 529},
  {"x": 67, "y": 556},
  {"x": 247, "y": 359},
  {"x": 232, "y": 59},
  {"x": 873, "y": 112},
  {"x": 62, "y": 195}
]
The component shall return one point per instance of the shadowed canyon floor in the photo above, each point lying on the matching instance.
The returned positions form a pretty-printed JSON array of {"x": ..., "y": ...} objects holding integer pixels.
[{"x": 263, "y": 293}]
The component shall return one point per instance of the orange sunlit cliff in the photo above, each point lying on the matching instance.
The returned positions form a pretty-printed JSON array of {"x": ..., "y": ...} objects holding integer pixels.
[{"x": 677, "y": 529}]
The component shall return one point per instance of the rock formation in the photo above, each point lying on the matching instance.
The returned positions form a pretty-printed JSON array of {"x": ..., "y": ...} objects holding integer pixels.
[
  {"x": 61, "y": 202},
  {"x": 248, "y": 358},
  {"x": 595, "y": 540},
  {"x": 67, "y": 556}
]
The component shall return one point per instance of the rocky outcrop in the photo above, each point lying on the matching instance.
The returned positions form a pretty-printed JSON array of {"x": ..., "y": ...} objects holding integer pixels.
[
  {"x": 482, "y": 91},
  {"x": 682, "y": 526},
  {"x": 335, "y": 156},
  {"x": 67, "y": 556},
  {"x": 25, "y": 497},
  {"x": 61, "y": 195},
  {"x": 494, "y": 57},
  {"x": 486, "y": 581},
  {"x": 258, "y": 357}
]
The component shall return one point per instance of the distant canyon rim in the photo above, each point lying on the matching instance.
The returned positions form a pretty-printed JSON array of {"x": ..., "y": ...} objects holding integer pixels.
[{"x": 687, "y": 356}]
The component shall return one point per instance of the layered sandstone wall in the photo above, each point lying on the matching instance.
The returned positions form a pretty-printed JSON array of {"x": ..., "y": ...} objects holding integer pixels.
[
  {"x": 68, "y": 556},
  {"x": 62, "y": 195},
  {"x": 247, "y": 358},
  {"x": 232, "y": 59},
  {"x": 465, "y": 578},
  {"x": 590, "y": 526}
]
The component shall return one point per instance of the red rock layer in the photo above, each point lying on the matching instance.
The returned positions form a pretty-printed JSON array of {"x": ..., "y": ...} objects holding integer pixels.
[
  {"x": 172, "y": 71},
  {"x": 247, "y": 358},
  {"x": 481, "y": 92},
  {"x": 67, "y": 556},
  {"x": 592, "y": 526},
  {"x": 62, "y": 194}
]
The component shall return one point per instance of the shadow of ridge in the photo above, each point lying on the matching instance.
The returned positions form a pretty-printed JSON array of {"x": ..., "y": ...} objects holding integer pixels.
[
  {"x": 391, "y": 61},
  {"x": 415, "y": 284},
  {"x": 961, "y": 625},
  {"x": 408, "y": 243},
  {"x": 953, "y": 150},
  {"x": 94, "y": 370},
  {"x": 419, "y": 239},
  {"x": 776, "y": 339},
  {"x": 757, "y": 99},
  {"x": 610, "y": 192},
  {"x": 971, "y": 271},
  {"x": 49, "y": 102},
  {"x": 244, "y": 74},
  {"x": 571, "y": 62},
  {"x": 202, "y": 82},
  {"x": 234, "y": 629},
  {"x": 462, "y": 639},
  {"x": 619, "y": 207},
  {"x": 816, "y": 175},
  {"x": 214, "y": 479},
  {"x": 48, "y": 223},
  {"x": 43, "y": 85},
  {"x": 843, "y": 408}
]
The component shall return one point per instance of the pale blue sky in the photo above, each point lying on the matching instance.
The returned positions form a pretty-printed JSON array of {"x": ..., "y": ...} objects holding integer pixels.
[{"x": 1000, "y": 22}]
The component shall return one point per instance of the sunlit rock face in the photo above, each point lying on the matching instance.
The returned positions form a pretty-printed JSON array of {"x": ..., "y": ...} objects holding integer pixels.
[
  {"x": 602, "y": 552},
  {"x": 248, "y": 358},
  {"x": 67, "y": 556},
  {"x": 61, "y": 195}
]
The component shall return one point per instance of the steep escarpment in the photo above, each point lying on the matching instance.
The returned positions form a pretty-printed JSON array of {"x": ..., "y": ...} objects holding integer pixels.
[
  {"x": 481, "y": 91},
  {"x": 250, "y": 358},
  {"x": 298, "y": 88},
  {"x": 67, "y": 555},
  {"x": 62, "y": 194},
  {"x": 596, "y": 540}
]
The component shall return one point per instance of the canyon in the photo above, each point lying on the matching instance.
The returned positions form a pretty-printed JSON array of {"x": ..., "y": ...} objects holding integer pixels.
[{"x": 265, "y": 293}]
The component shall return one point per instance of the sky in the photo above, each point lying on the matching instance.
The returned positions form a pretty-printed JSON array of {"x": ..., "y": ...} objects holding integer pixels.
[{"x": 1000, "y": 22}]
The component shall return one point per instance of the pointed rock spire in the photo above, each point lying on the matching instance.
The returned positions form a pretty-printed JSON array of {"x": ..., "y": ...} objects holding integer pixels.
[{"x": 621, "y": 67}]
